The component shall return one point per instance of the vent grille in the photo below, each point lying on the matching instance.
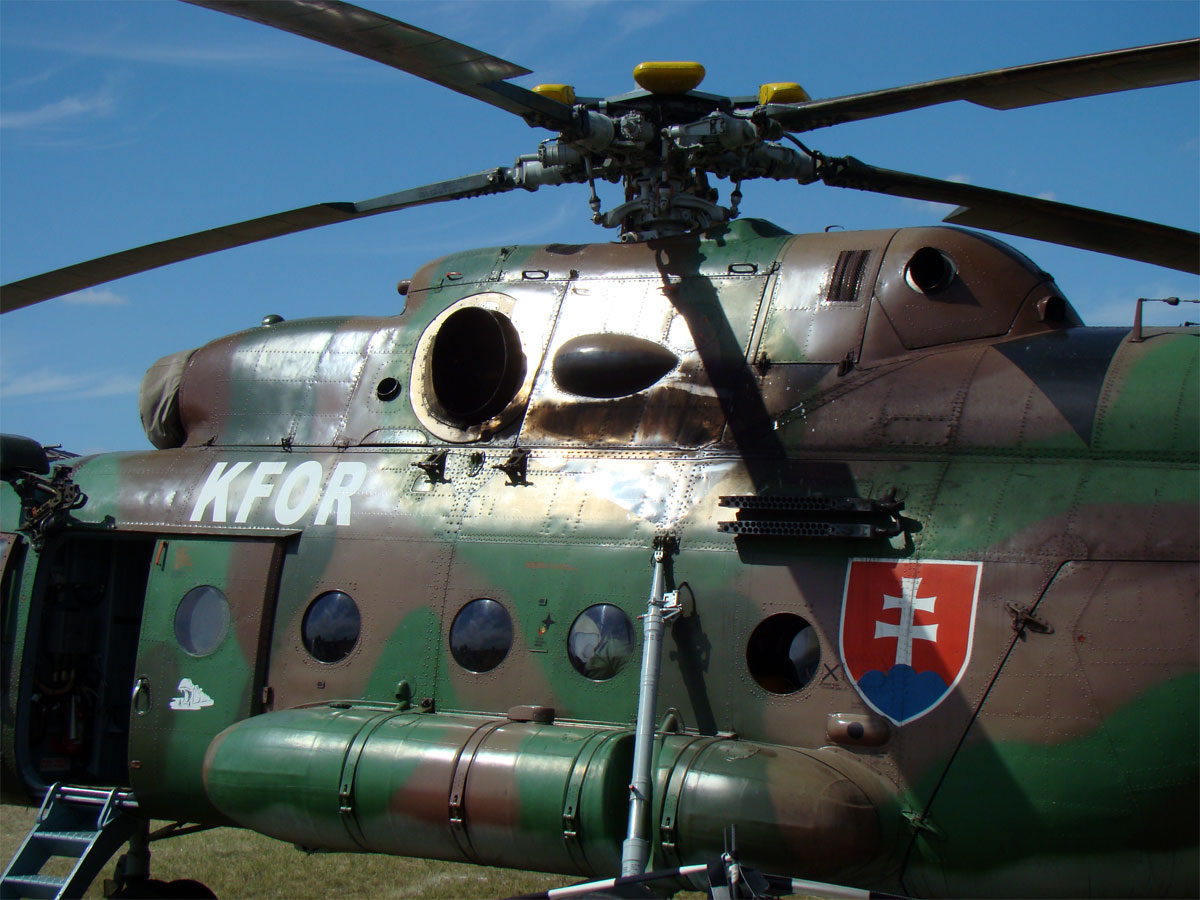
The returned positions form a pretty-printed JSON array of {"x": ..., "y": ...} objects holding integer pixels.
[
  {"x": 847, "y": 276},
  {"x": 813, "y": 516}
]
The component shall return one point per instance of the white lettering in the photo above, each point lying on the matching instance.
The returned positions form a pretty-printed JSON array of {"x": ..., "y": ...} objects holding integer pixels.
[
  {"x": 294, "y": 495},
  {"x": 287, "y": 512},
  {"x": 216, "y": 491},
  {"x": 259, "y": 487},
  {"x": 347, "y": 478}
]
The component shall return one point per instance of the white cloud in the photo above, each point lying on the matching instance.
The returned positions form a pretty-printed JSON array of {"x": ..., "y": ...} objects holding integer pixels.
[
  {"x": 98, "y": 105},
  {"x": 30, "y": 79},
  {"x": 97, "y": 297},
  {"x": 637, "y": 17},
  {"x": 245, "y": 55},
  {"x": 177, "y": 55},
  {"x": 533, "y": 41},
  {"x": 48, "y": 381},
  {"x": 112, "y": 386},
  {"x": 545, "y": 229}
]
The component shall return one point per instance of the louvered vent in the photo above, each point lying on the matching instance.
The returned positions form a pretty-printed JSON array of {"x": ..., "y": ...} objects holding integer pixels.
[
  {"x": 813, "y": 516},
  {"x": 847, "y": 276}
]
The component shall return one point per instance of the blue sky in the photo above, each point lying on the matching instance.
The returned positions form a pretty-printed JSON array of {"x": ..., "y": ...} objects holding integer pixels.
[{"x": 122, "y": 123}]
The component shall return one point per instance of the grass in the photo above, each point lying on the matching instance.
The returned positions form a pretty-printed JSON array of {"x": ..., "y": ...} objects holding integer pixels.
[{"x": 242, "y": 864}]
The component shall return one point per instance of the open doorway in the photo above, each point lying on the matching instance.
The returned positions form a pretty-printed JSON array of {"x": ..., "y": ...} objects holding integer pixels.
[{"x": 80, "y": 653}]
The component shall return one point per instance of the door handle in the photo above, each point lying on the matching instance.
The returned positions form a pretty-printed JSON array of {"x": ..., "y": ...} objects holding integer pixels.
[{"x": 139, "y": 700}]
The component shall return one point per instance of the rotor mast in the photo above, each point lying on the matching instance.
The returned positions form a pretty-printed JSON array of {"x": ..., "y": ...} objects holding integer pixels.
[{"x": 662, "y": 143}]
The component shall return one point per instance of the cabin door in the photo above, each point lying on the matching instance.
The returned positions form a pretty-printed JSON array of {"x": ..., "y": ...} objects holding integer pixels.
[{"x": 200, "y": 663}]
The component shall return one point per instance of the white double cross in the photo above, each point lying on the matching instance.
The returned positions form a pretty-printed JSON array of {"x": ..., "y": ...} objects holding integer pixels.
[{"x": 906, "y": 632}]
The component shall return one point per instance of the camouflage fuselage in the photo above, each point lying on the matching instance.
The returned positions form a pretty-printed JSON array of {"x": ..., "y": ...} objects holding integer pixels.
[{"x": 1060, "y": 462}]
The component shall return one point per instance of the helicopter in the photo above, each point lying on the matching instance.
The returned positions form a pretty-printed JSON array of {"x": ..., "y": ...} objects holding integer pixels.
[{"x": 377, "y": 588}]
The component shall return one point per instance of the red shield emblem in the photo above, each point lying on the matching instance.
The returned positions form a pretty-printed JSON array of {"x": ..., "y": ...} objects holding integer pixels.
[{"x": 906, "y": 631}]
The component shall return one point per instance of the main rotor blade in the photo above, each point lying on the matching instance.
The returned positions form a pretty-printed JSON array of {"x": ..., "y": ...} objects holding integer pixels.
[
  {"x": 1031, "y": 217},
  {"x": 1029, "y": 85},
  {"x": 151, "y": 256},
  {"x": 402, "y": 46}
]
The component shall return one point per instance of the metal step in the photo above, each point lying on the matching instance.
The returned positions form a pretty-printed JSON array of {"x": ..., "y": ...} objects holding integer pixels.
[
  {"x": 33, "y": 885},
  {"x": 66, "y": 843},
  {"x": 86, "y": 824}
]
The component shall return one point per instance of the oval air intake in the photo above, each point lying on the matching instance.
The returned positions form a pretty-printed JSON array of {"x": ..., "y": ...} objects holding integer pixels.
[{"x": 610, "y": 365}]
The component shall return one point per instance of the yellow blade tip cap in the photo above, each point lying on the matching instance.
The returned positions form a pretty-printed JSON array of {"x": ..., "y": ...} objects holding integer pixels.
[
  {"x": 782, "y": 92},
  {"x": 668, "y": 77},
  {"x": 563, "y": 93}
]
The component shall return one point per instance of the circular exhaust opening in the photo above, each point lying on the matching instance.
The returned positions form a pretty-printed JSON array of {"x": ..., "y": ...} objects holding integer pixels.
[
  {"x": 930, "y": 270},
  {"x": 476, "y": 365}
]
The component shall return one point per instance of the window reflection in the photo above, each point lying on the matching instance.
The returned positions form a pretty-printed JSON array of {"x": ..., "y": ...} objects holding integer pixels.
[
  {"x": 331, "y": 626},
  {"x": 481, "y": 635},
  {"x": 600, "y": 641}
]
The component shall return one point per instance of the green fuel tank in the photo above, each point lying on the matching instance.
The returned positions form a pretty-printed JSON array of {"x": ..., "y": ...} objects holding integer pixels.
[{"x": 528, "y": 793}]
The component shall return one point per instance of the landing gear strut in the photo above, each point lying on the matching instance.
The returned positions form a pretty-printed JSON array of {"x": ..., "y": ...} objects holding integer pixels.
[{"x": 131, "y": 877}]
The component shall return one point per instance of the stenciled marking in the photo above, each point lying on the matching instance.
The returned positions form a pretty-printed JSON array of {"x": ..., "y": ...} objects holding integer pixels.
[
  {"x": 191, "y": 696},
  {"x": 289, "y": 490}
]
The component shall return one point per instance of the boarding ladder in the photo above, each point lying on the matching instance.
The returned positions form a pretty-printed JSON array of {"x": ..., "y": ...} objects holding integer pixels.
[{"x": 83, "y": 824}]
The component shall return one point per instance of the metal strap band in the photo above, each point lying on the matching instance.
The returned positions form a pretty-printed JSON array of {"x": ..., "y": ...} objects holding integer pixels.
[
  {"x": 668, "y": 820},
  {"x": 570, "y": 815},
  {"x": 350, "y": 769},
  {"x": 458, "y": 786}
]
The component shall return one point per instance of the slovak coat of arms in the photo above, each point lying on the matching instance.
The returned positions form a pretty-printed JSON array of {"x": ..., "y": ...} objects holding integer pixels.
[{"x": 906, "y": 631}]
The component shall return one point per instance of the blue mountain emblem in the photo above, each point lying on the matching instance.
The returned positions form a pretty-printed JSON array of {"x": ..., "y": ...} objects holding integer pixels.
[{"x": 901, "y": 693}]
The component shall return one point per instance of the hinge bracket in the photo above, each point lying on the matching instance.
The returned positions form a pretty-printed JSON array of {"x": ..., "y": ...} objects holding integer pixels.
[
  {"x": 515, "y": 467},
  {"x": 921, "y": 822},
  {"x": 434, "y": 467},
  {"x": 1025, "y": 620}
]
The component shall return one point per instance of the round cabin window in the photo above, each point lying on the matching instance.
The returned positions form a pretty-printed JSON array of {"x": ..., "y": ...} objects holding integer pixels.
[
  {"x": 600, "y": 641},
  {"x": 331, "y": 627},
  {"x": 481, "y": 635},
  {"x": 783, "y": 653},
  {"x": 202, "y": 620}
]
